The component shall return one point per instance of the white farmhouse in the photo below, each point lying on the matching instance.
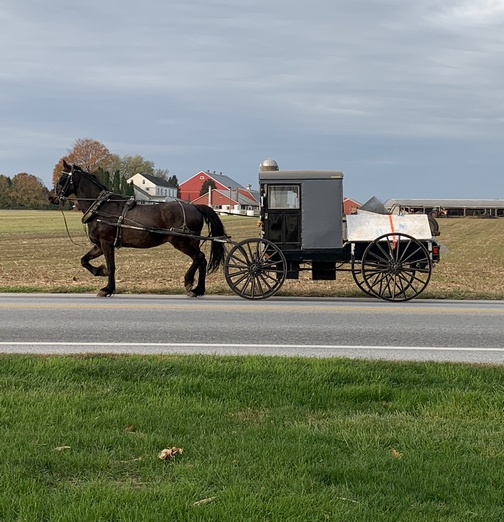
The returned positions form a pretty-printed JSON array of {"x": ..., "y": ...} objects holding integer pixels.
[{"x": 152, "y": 188}]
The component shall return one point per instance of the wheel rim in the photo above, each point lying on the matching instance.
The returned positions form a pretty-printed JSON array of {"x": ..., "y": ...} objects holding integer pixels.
[
  {"x": 359, "y": 279},
  {"x": 396, "y": 267},
  {"x": 255, "y": 269}
]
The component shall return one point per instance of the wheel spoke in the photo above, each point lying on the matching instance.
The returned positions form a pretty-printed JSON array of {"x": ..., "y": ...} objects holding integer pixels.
[
  {"x": 396, "y": 267},
  {"x": 255, "y": 269}
]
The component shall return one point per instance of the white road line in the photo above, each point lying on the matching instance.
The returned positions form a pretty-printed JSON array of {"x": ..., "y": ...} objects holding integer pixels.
[{"x": 238, "y": 346}]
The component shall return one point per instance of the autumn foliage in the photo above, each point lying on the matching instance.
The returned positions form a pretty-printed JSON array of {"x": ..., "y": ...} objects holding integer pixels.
[
  {"x": 89, "y": 154},
  {"x": 25, "y": 191}
]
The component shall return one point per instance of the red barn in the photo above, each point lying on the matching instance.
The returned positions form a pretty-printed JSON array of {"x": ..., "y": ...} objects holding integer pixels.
[
  {"x": 239, "y": 199},
  {"x": 350, "y": 206},
  {"x": 190, "y": 189}
]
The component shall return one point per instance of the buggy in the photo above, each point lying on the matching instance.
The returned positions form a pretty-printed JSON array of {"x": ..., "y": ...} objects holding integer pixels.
[{"x": 303, "y": 227}]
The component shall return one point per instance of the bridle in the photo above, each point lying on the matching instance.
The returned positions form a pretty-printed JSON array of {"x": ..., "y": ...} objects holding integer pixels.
[{"x": 67, "y": 188}]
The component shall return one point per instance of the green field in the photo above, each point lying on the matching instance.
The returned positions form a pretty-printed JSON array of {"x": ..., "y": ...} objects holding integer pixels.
[{"x": 39, "y": 255}]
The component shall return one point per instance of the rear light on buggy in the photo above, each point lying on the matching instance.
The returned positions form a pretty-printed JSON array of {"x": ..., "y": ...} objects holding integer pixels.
[{"x": 435, "y": 252}]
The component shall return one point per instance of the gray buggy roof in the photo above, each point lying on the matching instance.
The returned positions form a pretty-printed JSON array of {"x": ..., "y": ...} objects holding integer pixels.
[{"x": 285, "y": 175}]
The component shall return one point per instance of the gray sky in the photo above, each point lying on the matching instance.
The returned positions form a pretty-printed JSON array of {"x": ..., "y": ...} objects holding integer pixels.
[{"x": 405, "y": 97}]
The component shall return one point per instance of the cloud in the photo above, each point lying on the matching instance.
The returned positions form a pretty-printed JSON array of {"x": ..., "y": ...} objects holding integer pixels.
[
  {"x": 222, "y": 84},
  {"x": 473, "y": 12}
]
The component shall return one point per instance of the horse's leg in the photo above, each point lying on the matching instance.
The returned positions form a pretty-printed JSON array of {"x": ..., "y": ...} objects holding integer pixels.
[
  {"x": 109, "y": 253},
  {"x": 199, "y": 262},
  {"x": 95, "y": 252}
]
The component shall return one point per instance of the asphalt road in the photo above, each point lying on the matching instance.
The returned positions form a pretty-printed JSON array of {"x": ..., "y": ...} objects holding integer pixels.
[{"x": 469, "y": 331}]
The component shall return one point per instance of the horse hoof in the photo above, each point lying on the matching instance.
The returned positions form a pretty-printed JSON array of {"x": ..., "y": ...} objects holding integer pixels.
[
  {"x": 192, "y": 293},
  {"x": 104, "y": 293}
]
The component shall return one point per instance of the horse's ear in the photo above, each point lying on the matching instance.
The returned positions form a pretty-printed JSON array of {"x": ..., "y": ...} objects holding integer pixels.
[{"x": 66, "y": 166}]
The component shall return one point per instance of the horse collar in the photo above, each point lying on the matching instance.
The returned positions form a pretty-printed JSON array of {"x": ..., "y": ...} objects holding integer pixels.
[{"x": 91, "y": 211}]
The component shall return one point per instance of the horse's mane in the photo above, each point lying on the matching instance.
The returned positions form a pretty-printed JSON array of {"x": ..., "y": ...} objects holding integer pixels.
[{"x": 91, "y": 176}]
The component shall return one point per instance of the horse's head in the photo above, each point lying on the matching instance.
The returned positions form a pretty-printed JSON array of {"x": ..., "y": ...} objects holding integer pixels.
[
  {"x": 74, "y": 180},
  {"x": 65, "y": 184}
]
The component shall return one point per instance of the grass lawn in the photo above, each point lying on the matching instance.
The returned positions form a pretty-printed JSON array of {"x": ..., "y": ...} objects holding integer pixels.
[{"x": 263, "y": 439}]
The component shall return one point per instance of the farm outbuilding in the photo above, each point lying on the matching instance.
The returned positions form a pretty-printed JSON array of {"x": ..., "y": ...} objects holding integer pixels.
[
  {"x": 350, "y": 206},
  {"x": 448, "y": 207}
]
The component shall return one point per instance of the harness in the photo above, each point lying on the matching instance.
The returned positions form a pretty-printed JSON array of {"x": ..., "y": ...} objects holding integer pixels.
[
  {"x": 127, "y": 206},
  {"x": 93, "y": 209},
  {"x": 104, "y": 197},
  {"x": 184, "y": 229}
]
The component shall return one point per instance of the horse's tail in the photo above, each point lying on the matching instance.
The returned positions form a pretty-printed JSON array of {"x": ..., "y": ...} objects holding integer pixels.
[{"x": 216, "y": 229}]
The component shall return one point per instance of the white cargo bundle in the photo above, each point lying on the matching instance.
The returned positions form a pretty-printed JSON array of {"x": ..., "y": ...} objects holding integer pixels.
[{"x": 367, "y": 226}]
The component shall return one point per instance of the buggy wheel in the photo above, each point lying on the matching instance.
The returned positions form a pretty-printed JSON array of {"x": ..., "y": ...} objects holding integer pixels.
[
  {"x": 396, "y": 267},
  {"x": 359, "y": 279},
  {"x": 255, "y": 269}
]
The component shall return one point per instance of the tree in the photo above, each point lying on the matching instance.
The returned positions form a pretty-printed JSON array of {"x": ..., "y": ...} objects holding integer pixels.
[
  {"x": 127, "y": 189},
  {"x": 5, "y": 192},
  {"x": 88, "y": 154},
  {"x": 28, "y": 191},
  {"x": 131, "y": 165},
  {"x": 94, "y": 157},
  {"x": 208, "y": 183},
  {"x": 173, "y": 181},
  {"x": 114, "y": 163},
  {"x": 115, "y": 182},
  {"x": 104, "y": 177},
  {"x": 161, "y": 173}
]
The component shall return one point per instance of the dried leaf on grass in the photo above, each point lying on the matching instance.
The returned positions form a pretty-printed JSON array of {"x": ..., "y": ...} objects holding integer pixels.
[
  {"x": 396, "y": 454},
  {"x": 204, "y": 501},
  {"x": 169, "y": 453},
  {"x": 347, "y": 500}
]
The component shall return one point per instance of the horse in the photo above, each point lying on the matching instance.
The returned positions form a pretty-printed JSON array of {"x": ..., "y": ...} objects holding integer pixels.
[{"x": 115, "y": 221}]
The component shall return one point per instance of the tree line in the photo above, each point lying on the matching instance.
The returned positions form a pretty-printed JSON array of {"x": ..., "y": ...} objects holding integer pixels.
[{"x": 25, "y": 191}]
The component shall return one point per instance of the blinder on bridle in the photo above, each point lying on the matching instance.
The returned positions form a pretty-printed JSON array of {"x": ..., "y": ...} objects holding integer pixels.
[{"x": 65, "y": 185}]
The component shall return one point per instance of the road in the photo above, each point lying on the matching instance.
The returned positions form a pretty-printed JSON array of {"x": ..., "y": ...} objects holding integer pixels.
[{"x": 461, "y": 331}]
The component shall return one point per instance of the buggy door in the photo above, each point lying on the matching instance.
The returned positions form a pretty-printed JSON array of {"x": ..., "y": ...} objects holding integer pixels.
[{"x": 281, "y": 215}]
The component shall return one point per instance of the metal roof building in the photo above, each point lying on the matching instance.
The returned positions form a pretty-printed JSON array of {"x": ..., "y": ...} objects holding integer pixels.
[{"x": 449, "y": 207}]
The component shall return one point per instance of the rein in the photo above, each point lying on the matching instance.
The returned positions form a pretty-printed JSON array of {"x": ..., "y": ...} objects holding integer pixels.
[{"x": 68, "y": 230}]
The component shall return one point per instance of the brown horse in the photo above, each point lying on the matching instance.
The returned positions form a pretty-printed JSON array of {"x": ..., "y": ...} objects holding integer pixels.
[{"x": 114, "y": 221}]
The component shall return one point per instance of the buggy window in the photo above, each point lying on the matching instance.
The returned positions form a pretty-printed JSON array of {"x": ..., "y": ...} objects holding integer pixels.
[{"x": 285, "y": 196}]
